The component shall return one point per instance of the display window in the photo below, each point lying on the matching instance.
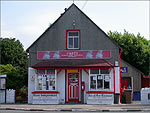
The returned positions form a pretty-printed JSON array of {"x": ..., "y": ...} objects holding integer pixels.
[
  {"x": 99, "y": 79},
  {"x": 46, "y": 80}
]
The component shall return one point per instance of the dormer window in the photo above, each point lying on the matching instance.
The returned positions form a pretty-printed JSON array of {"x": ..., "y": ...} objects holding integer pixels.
[{"x": 73, "y": 39}]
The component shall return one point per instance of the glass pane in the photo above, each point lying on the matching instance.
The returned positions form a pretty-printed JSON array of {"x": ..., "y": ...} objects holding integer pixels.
[
  {"x": 106, "y": 85},
  {"x": 70, "y": 42},
  {"x": 47, "y": 83},
  {"x": 39, "y": 82},
  {"x": 73, "y": 78},
  {"x": 99, "y": 81},
  {"x": 50, "y": 71},
  {"x": 93, "y": 82},
  {"x": 73, "y": 33},
  {"x": 44, "y": 87},
  {"x": 104, "y": 71},
  {"x": 94, "y": 71},
  {"x": 149, "y": 96},
  {"x": 41, "y": 71},
  {"x": 52, "y": 82},
  {"x": 76, "y": 43},
  {"x": 106, "y": 81}
]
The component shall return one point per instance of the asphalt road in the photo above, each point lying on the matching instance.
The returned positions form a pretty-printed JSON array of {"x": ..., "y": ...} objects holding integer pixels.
[{"x": 17, "y": 111}]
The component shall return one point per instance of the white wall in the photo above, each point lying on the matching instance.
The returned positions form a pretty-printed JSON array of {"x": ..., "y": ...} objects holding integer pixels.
[
  {"x": 117, "y": 80},
  {"x": 144, "y": 96},
  {"x": 100, "y": 98},
  {"x": 10, "y": 96},
  {"x": 112, "y": 80},
  {"x": 85, "y": 78},
  {"x": 31, "y": 83},
  {"x": 45, "y": 99},
  {"x": 2, "y": 96},
  {"x": 61, "y": 86}
]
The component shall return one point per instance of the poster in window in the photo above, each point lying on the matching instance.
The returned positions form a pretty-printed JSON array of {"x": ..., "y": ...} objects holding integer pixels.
[
  {"x": 2, "y": 85},
  {"x": 107, "y": 78},
  {"x": 44, "y": 80},
  {"x": 94, "y": 77},
  {"x": 100, "y": 77}
]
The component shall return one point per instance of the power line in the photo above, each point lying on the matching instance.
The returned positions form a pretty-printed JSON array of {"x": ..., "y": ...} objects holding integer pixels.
[{"x": 84, "y": 4}]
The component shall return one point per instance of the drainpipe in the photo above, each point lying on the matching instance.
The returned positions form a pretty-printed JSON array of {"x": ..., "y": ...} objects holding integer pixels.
[{"x": 120, "y": 71}]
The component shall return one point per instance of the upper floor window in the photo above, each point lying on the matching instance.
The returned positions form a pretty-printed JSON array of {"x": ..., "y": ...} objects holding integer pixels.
[{"x": 73, "y": 39}]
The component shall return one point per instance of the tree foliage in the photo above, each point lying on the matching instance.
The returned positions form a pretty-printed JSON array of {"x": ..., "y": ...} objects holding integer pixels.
[
  {"x": 136, "y": 49},
  {"x": 14, "y": 78},
  {"x": 12, "y": 52}
]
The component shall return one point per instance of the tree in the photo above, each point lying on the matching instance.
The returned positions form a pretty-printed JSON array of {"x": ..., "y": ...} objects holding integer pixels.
[
  {"x": 12, "y": 52},
  {"x": 136, "y": 49},
  {"x": 14, "y": 78}
]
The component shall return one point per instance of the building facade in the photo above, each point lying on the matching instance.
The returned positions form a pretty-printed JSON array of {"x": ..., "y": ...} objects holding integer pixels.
[
  {"x": 131, "y": 79},
  {"x": 74, "y": 61}
]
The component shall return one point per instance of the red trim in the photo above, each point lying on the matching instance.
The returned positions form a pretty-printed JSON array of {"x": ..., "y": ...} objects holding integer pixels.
[
  {"x": 67, "y": 38},
  {"x": 45, "y": 92},
  {"x": 59, "y": 71},
  {"x": 103, "y": 92},
  {"x": 145, "y": 76},
  {"x": 86, "y": 71},
  {"x": 81, "y": 85},
  {"x": 74, "y": 100},
  {"x": 120, "y": 72},
  {"x": 145, "y": 81},
  {"x": 108, "y": 63},
  {"x": 66, "y": 86}
]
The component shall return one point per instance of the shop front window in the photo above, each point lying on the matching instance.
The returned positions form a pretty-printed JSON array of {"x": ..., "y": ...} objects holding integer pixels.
[
  {"x": 99, "y": 79},
  {"x": 39, "y": 84},
  {"x": 46, "y": 80},
  {"x": 93, "y": 82},
  {"x": 106, "y": 81}
]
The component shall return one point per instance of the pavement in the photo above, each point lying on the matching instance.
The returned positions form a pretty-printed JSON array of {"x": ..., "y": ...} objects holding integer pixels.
[{"x": 134, "y": 107}]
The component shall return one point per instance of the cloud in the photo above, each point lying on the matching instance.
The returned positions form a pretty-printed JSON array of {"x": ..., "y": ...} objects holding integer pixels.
[{"x": 7, "y": 34}]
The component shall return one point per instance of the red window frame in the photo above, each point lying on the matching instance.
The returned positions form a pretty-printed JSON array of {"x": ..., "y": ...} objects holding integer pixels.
[{"x": 67, "y": 39}]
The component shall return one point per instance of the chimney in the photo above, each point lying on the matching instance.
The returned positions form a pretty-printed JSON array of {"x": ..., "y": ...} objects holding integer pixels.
[{"x": 65, "y": 9}]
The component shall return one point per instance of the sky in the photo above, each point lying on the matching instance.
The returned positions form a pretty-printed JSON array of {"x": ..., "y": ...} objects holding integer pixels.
[{"x": 27, "y": 20}]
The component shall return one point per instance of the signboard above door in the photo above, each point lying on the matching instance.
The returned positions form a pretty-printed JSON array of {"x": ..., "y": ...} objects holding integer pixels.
[{"x": 77, "y": 54}]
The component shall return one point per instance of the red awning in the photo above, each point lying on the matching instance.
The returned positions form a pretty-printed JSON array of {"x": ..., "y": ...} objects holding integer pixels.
[{"x": 72, "y": 63}]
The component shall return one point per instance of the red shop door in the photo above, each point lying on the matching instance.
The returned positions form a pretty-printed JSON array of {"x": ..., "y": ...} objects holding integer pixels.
[
  {"x": 73, "y": 86},
  {"x": 124, "y": 83}
]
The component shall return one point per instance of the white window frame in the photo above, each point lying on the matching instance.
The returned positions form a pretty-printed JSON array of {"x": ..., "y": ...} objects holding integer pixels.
[
  {"x": 73, "y": 39},
  {"x": 102, "y": 89},
  {"x": 36, "y": 81}
]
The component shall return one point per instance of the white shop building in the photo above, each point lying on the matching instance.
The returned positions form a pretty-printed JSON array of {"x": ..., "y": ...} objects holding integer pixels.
[{"x": 74, "y": 61}]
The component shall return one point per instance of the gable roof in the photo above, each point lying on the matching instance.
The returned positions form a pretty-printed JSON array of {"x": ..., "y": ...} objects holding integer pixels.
[{"x": 61, "y": 16}]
